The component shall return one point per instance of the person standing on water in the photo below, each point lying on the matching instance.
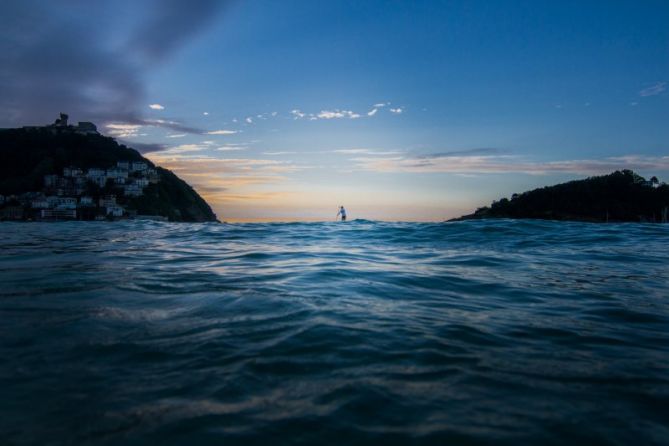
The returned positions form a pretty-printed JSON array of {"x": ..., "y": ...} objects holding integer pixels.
[{"x": 342, "y": 212}]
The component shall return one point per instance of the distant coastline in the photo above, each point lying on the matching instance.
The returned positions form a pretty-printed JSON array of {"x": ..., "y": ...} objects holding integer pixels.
[
  {"x": 71, "y": 172},
  {"x": 622, "y": 196}
]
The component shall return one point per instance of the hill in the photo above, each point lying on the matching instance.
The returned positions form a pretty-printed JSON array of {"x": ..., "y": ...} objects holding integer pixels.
[
  {"x": 29, "y": 155},
  {"x": 622, "y": 196}
]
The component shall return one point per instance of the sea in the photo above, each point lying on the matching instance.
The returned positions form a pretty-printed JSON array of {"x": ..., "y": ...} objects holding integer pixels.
[{"x": 504, "y": 332}]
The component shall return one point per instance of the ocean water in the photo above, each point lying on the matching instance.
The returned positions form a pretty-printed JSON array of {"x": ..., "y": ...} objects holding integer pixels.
[{"x": 478, "y": 332}]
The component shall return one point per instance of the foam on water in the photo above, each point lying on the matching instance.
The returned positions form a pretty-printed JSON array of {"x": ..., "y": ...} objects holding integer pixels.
[{"x": 479, "y": 332}]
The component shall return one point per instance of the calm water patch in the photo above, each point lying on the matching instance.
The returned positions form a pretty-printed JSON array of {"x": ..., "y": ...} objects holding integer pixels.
[{"x": 479, "y": 332}]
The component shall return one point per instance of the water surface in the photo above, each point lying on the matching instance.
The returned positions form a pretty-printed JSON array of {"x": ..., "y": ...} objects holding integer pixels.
[{"x": 479, "y": 332}]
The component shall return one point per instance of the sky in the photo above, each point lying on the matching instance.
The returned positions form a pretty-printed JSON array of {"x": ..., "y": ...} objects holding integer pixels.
[{"x": 398, "y": 110}]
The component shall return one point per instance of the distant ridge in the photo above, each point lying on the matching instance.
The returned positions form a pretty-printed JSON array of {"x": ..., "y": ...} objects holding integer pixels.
[
  {"x": 29, "y": 154},
  {"x": 622, "y": 196}
]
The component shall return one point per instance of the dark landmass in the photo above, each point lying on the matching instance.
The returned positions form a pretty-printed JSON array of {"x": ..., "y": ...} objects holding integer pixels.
[
  {"x": 622, "y": 196},
  {"x": 28, "y": 155}
]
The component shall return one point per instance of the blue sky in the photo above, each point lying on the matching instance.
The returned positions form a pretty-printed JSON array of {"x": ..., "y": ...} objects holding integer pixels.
[{"x": 399, "y": 110}]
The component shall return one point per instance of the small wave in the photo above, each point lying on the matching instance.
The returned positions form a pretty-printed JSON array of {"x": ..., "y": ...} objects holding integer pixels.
[{"x": 487, "y": 331}]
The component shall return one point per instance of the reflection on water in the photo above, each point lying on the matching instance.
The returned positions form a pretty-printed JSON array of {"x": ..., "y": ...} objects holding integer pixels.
[{"x": 478, "y": 332}]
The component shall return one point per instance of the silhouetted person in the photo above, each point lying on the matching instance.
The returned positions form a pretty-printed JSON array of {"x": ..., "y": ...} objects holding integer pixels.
[{"x": 342, "y": 212}]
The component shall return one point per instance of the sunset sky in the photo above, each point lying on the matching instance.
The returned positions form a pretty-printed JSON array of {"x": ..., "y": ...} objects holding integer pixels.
[{"x": 283, "y": 110}]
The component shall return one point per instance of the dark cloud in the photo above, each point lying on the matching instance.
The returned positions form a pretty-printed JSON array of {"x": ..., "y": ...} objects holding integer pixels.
[
  {"x": 88, "y": 60},
  {"x": 170, "y": 21},
  {"x": 145, "y": 147}
]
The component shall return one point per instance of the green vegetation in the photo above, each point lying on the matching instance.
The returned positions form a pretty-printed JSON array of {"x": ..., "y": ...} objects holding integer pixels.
[
  {"x": 27, "y": 155},
  {"x": 622, "y": 196},
  {"x": 173, "y": 198}
]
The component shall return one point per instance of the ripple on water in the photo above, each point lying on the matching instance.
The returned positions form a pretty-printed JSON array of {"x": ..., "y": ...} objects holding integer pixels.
[{"x": 474, "y": 332}]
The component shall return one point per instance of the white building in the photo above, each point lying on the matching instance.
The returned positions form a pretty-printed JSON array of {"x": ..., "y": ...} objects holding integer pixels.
[
  {"x": 138, "y": 166},
  {"x": 142, "y": 182},
  {"x": 125, "y": 165},
  {"x": 86, "y": 201},
  {"x": 72, "y": 172},
  {"x": 115, "y": 211},
  {"x": 66, "y": 203},
  {"x": 40, "y": 203},
  {"x": 132, "y": 190},
  {"x": 50, "y": 180},
  {"x": 116, "y": 172},
  {"x": 108, "y": 201},
  {"x": 95, "y": 172},
  {"x": 97, "y": 176}
]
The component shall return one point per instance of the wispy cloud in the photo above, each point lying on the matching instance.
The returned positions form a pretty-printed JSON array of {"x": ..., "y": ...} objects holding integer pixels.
[
  {"x": 337, "y": 114},
  {"x": 278, "y": 153},
  {"x": 381, "y": 104},
  {"x": 397, "y": 110},
  {"x": 185, "y": 148},
  {"x": 654, "y": 89},
  {"x": 168, "y": 124},
  {"x": 297, "y": 114},
  {"x": 367, "y": 152},
  {"x": 249, "y": 120},
  {"x": 205, "y": 113},
  {"x": 145, "y": 147},
  {"x": 230, "y": 148},
  {"x": 372, "y": 112},
  {"x": 222, "y": 132},
  {"x": 176, "y": 135},
  {"x": 462, "y": 163},
  {"x": 156, "y": 107},
  {"x": 220, "y": 180},
  {"x": 123, "y": 130}
]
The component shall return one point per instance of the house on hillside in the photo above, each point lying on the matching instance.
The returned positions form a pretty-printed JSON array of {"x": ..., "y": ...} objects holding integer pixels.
[
  {"x": 115, "y": 211},
  {"x": 72, "y": 172},
  {"x": 138, "y": 166},
  {"x": 107, "y": 201}
]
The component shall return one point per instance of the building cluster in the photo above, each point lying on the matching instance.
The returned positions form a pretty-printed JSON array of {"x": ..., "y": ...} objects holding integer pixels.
[
  {"x": 72, "y": 196},
  {"x": 61, "y": 125}
]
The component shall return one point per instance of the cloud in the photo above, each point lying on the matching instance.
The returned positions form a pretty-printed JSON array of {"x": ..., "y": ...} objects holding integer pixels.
[
  {"x": 176, "y": 135},
  {"x": 381, "y": 104},
  {"x": 468, "y": 163},
  {"x": 145, "y": 147},
  {"x": 230, "y": 148},
  {"x": 205, "y": 113},
  {"x": 137, "y": 123},
  {"x": 218, "y": 179},
  {"x": 278, "y": 153},
  {"x": 249, "y": 120},
  {"x": 222, "y": 132},
  {"x": 367, "y": 152},
  {"x": 185, "y": 148},
  {"x": 337, "y": 114},
  {"x": 372, "y": 112},
  {"x": 167, "y": 25},
  {"x": 54, "y": 58},
  {"x": 653, "y": 90},
  {"x": 123, "y": 130},
  {"x": 156, "y": 107},
  {"x": 396, "y": 111},
  {"x": 297, "y": 114}
]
